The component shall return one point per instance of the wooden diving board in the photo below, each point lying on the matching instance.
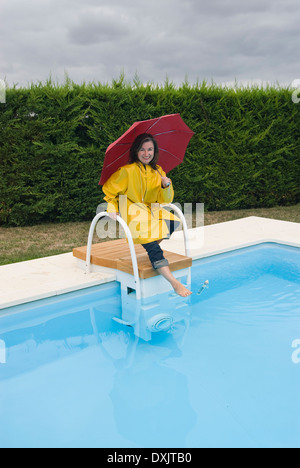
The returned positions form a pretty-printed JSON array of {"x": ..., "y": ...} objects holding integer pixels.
[{"x": 116, "y": 254}]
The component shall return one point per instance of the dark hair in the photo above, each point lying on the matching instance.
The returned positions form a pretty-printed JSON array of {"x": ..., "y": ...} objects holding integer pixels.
[{"x": 138, "y": 143}]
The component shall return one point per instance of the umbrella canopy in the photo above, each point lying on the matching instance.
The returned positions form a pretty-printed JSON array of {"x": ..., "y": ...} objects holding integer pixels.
[{"x": 171, "y": 134}]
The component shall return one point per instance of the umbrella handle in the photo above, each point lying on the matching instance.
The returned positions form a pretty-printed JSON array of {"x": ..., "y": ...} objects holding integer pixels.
[{"x": 168, "y": 185}]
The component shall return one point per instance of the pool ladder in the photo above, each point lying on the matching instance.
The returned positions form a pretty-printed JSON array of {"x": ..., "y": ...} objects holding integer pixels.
[{"x": 145, "y": 312}]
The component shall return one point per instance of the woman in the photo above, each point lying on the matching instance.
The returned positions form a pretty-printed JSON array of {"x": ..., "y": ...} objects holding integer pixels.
[{"x": 135, "y": 191}]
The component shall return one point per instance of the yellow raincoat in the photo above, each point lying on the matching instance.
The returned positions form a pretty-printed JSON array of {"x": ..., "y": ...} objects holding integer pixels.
[{"x": 135, "y": 191}]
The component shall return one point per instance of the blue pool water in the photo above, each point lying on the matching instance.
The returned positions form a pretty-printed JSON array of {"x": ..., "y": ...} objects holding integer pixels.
[{"x": 230, "y": 377}]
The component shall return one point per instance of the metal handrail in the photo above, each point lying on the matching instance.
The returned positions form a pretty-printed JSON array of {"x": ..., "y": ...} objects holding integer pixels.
[
  {"x": 131, "y": 246},
  {"x": 185, "y": 234},
  {"x": 184, "y": 225}
]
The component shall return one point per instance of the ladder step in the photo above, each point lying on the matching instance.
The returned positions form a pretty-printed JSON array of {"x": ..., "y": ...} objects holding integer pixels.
[{"x": 116, "y": 254}]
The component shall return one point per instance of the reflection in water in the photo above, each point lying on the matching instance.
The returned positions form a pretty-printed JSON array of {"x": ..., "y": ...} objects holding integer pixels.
[
  {"x": 150, "y": 398},
  {"x": 152, "y": 403},
  {"x": 223, "y": 377}
]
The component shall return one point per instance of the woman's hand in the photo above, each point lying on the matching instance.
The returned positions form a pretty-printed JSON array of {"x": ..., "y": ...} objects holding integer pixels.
[
  {"x": 165, "y": 182},
  {"x": 113, "y": 215}
]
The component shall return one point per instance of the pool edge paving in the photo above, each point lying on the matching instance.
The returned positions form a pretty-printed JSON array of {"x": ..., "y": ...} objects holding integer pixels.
[{"x": 46, "y": 277}]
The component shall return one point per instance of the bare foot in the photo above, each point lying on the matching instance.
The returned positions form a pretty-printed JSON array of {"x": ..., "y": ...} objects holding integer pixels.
[
  {"x": 177, "y": 286},
  {"x": 180, "y": 289}
]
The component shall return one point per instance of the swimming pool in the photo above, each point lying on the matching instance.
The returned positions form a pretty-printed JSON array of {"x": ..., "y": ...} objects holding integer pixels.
[{"x": 72, "y": 377}]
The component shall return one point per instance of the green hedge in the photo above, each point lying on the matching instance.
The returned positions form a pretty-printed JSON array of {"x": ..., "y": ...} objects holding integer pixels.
[{"x": 245, "y": 152}]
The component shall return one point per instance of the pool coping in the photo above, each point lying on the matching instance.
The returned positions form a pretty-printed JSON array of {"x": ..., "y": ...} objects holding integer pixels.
[{"x": 46, "y": 277}]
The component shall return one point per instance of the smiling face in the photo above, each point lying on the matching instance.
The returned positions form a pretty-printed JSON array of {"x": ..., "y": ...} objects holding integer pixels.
[
  {"x": 146, "y": 152},
  {"x": 144, "y": 149}
]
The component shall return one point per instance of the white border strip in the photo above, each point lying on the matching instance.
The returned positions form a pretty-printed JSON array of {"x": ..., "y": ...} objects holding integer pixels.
[{"x": 51, "y": 276}]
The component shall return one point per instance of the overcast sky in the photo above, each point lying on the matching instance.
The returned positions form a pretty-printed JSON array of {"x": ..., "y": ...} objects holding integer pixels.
[{"x": 94, "y": 40}]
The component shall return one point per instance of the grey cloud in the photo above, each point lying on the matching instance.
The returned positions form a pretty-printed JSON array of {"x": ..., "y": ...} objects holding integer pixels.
[
  {"x": 91, "y": 30},
  {"x": 92, "y": 40}
]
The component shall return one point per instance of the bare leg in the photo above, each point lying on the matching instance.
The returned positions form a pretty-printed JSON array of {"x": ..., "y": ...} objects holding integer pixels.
[
  {"x": 155, "y": 254},
  {"x": 179, "y": 288}
]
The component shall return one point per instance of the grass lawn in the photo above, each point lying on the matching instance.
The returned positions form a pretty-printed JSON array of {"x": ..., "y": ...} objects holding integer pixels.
[{"x": 25, "y": 243}]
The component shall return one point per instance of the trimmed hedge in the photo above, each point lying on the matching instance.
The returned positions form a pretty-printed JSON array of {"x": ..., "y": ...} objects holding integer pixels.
[{"x": 245, "y": 153}]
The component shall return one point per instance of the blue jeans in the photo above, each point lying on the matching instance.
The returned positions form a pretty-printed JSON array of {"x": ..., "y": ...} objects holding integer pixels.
[{"x": 154, "y": 250}]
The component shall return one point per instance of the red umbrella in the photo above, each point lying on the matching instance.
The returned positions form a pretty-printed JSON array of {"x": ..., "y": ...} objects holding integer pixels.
[{"x": 171, "y": 134}]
